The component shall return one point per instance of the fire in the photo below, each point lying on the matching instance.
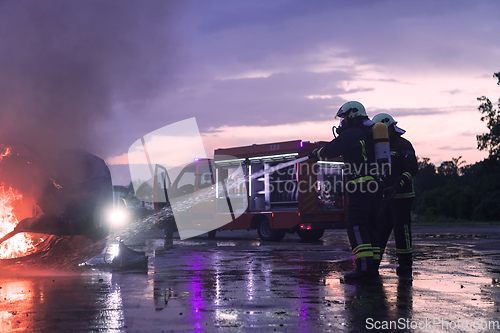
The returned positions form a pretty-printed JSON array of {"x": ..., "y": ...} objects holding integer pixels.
[
  {"x": 7, "y": 152},
  {"x": 21, "y": 243}
]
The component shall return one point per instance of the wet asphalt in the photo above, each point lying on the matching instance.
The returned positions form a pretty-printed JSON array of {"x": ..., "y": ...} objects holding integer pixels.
[{"x": 238, "y": 283}]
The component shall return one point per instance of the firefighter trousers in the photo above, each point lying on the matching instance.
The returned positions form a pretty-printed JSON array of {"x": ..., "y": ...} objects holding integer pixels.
[
  {"x": 396, "y": 215},
  {"x": 362, "y": 228}
]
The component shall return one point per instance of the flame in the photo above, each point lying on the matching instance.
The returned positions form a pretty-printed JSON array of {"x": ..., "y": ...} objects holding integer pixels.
[
  {"x": 56, "y": 185},
  {"x": 6, "y": 152},
  {"x": 21, "y": 243}
]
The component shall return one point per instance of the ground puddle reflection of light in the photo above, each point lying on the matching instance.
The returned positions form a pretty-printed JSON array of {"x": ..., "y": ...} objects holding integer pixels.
[
  {"x": 20, "y": 297},
  {"x": 115, "y": 318},
  {"x": 196, "y": 290}
]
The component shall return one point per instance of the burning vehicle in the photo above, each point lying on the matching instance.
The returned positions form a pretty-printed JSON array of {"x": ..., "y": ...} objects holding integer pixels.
[{"x": 52, "y": 209}]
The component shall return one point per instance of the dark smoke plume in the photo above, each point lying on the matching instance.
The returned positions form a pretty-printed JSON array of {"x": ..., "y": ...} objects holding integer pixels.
[{"x": 63, "y": 64}]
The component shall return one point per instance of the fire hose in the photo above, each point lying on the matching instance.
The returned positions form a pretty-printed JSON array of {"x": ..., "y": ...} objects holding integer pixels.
[{"x": 279, "y": 166}]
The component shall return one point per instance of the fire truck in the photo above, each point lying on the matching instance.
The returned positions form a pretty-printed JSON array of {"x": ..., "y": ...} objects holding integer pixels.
[{"x": 273, "y": 188}]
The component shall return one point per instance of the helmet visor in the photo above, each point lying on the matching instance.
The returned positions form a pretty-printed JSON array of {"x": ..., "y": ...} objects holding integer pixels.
[{"x": 399, "y": 130}]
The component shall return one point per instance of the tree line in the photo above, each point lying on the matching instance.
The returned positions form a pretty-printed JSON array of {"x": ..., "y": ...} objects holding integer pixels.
[{"x": 456, "y": 190}]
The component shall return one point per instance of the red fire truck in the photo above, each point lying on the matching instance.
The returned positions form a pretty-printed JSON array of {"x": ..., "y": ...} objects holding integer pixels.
[{"x": 251, "y": 190}]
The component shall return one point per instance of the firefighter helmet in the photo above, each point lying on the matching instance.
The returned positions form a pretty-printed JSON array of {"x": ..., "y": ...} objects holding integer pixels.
[
  {"x": 387, "y": 120},
  {"x": 352, "y": 109},
  {"x": 384, "y": 118}
]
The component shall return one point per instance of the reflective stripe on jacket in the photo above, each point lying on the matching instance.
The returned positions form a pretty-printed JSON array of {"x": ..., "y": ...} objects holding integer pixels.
[{"x": 404, "y": 167}]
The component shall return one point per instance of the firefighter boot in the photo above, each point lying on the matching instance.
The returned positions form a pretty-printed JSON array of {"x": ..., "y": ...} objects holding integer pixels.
[
  {"x": 365, "y": 272},
  {"x": 404, "y": 269}
]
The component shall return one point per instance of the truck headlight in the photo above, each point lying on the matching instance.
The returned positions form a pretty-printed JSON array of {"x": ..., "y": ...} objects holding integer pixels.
[{"x": 117, "y": 216}]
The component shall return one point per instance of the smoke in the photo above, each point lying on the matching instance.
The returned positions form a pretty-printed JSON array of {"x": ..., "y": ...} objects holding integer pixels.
[{"x": 64, "y": 63}]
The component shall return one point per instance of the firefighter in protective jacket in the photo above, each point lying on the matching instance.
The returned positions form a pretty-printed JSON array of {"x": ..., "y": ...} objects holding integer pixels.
[
  {"x": 398, "y": 196},
  {"x": 355, "y": 145}
]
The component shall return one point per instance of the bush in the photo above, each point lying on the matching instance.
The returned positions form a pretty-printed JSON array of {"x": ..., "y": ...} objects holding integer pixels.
[
  {"x": 471, "y": 194},
  {"x": 488, "y": 208}
]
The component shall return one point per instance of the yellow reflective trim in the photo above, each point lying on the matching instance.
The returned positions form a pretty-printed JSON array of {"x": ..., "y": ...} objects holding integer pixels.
[
  {"x": 376, "y": 253},
  {"x": 363, "y": 250},
  {"x": 363, "y": 150},
  {"x": 362, "y": 247},
  {"x": 407, "y": 236},
  {"x": 361, "y": 179},
  {"x": 363, "y": 254},
  {"x": 405, "y": 195}
]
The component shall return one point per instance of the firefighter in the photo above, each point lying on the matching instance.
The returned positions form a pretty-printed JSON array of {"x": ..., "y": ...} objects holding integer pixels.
[
  {"x": 398, "y": 194},
  {"x": 355, "y": 144}
]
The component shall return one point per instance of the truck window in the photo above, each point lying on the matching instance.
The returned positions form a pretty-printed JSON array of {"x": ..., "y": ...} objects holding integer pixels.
[
  {"x": 230, "y": 183},
  {"x": 235, "y": 181},
  {"x": 185, "y": 183},
  {"x": 205, "y": 179}
]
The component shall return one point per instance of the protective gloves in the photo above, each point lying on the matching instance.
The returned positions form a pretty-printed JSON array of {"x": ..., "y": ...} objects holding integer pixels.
[
  {"x": 316, "y": 154},
  {"x": 390, "y": 192}
]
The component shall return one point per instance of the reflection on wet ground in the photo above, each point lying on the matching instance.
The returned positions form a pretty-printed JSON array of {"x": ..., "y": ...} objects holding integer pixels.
[{"x": 236, "y": 283}]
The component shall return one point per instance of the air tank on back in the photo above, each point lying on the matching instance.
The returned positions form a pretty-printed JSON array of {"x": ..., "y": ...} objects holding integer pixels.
[{"x": 382, "y": 148}]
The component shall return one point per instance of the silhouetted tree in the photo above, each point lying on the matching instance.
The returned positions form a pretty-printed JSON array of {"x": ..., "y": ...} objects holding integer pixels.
[
  {"x": 490, "y": 141},
  {"x": 426, "y": 177},
  {"x": 456, "y": 190},
  {"x": 451, "y": 169}
]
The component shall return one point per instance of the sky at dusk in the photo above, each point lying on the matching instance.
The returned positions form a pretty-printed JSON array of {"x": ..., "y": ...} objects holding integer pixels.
[{"x": 253, "y": 71}]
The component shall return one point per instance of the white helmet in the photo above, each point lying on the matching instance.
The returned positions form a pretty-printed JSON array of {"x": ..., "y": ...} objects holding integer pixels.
[
  {"x": 352, "y": 109},
  {"x": 384, "y": 118},
  {"x": 387, "y": 120}
]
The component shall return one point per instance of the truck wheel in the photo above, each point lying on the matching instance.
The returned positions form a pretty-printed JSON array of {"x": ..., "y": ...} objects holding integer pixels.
[
  {"x": 310, "y": 235},
  {"x": 211, "y": 234},
  {"x": 266, "y": 233}
]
